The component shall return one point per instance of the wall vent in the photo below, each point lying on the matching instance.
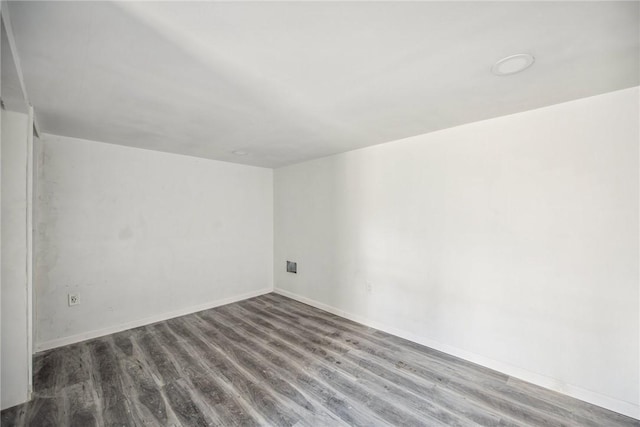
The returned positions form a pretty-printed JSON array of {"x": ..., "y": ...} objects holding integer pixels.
[{"x": 292, "y": 267}]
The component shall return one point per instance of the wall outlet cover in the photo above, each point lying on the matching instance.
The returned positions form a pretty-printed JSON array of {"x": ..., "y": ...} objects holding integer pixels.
[
  {"x": 74, "y": 299},
  {"x": 368, "y": 286}
]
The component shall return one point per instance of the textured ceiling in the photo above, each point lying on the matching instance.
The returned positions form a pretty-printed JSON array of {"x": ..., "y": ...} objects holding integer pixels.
[{"x": 288, "y": 82}]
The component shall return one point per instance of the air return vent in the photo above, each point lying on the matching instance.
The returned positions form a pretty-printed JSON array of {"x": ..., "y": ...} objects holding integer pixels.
[{"x": 292, "y": 267}]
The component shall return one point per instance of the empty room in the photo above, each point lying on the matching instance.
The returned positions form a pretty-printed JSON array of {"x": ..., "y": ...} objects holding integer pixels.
[{"x": 320, "y": 213}]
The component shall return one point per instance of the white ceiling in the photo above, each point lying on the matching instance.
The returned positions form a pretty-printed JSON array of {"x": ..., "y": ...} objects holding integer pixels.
[
  {"x": 288, "y": 82},
  {"x": 12, "y": 96}
]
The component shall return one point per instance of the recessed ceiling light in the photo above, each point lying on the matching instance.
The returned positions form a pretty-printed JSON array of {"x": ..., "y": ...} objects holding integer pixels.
[
  {"x": 512, "y": 64},
  {"x": 240, "y": 153}
]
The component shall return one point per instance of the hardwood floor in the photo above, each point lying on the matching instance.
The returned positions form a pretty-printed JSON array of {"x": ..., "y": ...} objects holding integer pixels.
[{"x": 273, "y": 361}]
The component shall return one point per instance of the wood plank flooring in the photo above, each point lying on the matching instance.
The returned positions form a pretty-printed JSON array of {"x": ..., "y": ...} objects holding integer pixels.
[{"x": 272, "y": 361}]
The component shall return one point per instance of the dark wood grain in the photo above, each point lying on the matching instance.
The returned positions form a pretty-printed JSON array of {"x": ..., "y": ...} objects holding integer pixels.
[{"x": 274, "y": 361}]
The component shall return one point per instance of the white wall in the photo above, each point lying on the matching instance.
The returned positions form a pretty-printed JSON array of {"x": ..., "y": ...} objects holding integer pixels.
[
  {"x": 143, "y": 235},
  {"x": 512, "y": 242},
  {"x": 16, "y": 359}
]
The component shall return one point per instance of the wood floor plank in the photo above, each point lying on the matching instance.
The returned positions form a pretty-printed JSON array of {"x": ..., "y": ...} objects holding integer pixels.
[
  {"x": 294, "y": 366},
  {"x": 183, "y": 405},
  {"x": 164, "y": 368},
  {"x": 334, "y": 343},
  {"x": 273, "y": 361},
  {"x": 145, "y": 391},
  {"x": 248, "y": 329},
  {"x": 14, "y": 416},
  {"x": 374, "y": 380},
  {"x": 75, "y": 364},
  {"x": 108, "y": 381},
  {"x": 490, "y": 391},
  {"x": 394, "y": 344},
  {"x": 47, "y": 372},
  {"x": 288, "y": 396},
  {"x": 261, "y": 398},
  {"x": 299, "y": 387},
  {"x": 45, "y": 412},
  {"x": 230, "y": 410},
  {"x": 80, "y": 407}
]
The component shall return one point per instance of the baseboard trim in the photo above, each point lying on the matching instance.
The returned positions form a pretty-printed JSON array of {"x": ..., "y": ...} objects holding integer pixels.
[
  {"x": 59, "y": 342},
  {"x": 623, "y": 407}
]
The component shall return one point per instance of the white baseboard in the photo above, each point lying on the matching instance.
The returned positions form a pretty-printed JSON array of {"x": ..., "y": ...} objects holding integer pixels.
[
  {"x": 59, "y": 342},
  {"x": 623, "y": 407},
  {"x": 13, "y": 400}
]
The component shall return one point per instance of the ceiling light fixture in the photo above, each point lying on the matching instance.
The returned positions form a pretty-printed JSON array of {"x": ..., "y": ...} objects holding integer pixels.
[
  {"x": 512, "y": 64},
  {"x": 239, "y": 152}
]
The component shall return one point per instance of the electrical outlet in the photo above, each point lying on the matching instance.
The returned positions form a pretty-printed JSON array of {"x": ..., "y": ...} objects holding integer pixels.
[
  {"x": 368, "y": 286},
  {"x": 74, "y": 299}
]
